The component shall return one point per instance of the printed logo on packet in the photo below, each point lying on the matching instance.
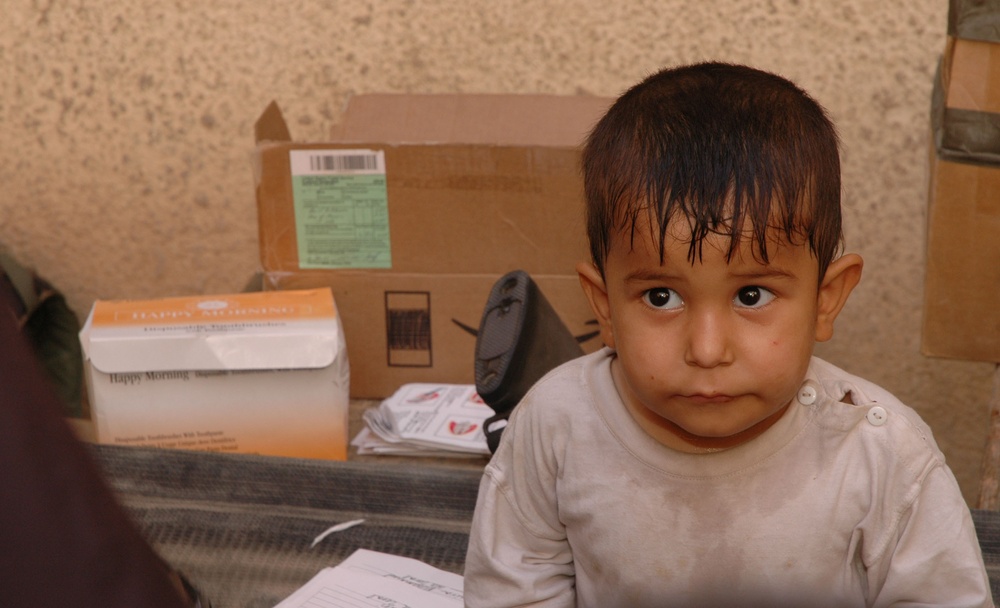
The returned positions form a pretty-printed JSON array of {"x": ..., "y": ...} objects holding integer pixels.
[{"x": 462, "y": 427}]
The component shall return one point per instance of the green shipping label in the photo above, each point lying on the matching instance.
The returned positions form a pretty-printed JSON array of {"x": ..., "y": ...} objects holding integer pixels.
[{"x": 341, "y": 208}]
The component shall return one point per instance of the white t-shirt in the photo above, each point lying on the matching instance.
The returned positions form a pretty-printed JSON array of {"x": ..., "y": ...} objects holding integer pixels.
[{"x": 835, "y": 505}]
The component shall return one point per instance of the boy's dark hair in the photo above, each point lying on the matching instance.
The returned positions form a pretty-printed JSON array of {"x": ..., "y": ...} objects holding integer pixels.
[{"x": 736, "y": 150}]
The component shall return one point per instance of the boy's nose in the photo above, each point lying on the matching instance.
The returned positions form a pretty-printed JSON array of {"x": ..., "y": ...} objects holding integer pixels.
[{"x": 709, "y": 340}]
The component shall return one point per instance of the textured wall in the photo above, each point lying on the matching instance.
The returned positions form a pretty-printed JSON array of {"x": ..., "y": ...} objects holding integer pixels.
[{"x": 127, "y": 131}]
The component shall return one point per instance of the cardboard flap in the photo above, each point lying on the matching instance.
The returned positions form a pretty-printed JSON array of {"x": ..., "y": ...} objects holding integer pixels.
[
  {"x": 117, "y": 352},
  {"x": 271, "y": 126},
  {"x": 506, "y": 120},
  {"x": 970, "y": 76},
  {"x": 287, "y": 330}
]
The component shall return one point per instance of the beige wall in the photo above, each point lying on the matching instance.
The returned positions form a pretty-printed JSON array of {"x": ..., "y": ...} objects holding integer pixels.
[{"x": 127, "y": 128}]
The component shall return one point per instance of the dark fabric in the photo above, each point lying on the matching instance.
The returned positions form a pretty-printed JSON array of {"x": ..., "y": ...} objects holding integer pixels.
[
  {"x": 241, "y": 526},
  {"x": 64, "y": 540},
  {"x": 988, "y": 530},
  {"x": 51, "y": 328}
]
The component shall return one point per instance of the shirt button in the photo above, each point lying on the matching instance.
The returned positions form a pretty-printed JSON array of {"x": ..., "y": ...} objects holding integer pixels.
[
  {"x": 877, "y": 416},
  {"x": 807, "y": 394}
]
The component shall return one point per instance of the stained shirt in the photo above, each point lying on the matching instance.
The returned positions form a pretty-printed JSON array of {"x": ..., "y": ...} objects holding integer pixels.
[{"x": 842, "y": 502}]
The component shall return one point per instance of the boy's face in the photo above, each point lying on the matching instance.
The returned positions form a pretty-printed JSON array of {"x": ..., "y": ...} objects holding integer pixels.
[{"x": 710, "y": 353}]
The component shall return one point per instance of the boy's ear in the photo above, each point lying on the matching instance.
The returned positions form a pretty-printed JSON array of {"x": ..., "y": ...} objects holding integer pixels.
[
  {"x": 597, "y": 294},
  {"x": 842, "y": 276}
]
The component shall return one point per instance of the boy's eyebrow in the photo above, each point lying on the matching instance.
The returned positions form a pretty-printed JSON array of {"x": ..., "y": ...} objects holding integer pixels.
[
  {"x": 769, "y": 272},
  {"x": 649, "y": 275}
]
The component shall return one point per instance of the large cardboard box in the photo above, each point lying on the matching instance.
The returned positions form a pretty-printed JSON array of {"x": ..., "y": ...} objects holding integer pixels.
[
  {"x": 259, "y": 373},
  {"x": 413, "y": 210},
  {"x": 961, "y": 315}
]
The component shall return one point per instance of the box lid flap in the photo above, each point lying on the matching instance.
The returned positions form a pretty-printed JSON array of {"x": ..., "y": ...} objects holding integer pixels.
[
  {"x": 266, "y": 330},
  {"x": 271, "y": 126},
  {"x": 514, "y": 120}
]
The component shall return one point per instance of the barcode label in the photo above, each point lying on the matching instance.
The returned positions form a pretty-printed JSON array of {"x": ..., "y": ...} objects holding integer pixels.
[
  {"x": 337, "y": 162},
  {"x": 354, "y": 162}
]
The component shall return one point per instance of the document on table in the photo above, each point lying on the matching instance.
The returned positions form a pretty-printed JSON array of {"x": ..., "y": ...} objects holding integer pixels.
[{"x": 370, "y": 579}]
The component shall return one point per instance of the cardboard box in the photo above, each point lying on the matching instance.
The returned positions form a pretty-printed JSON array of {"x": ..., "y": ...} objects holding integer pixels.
[
  {"x": 961, "y": 316},
  {"x": 259, "y": 373},
  {"x": 413, "y": 210}
]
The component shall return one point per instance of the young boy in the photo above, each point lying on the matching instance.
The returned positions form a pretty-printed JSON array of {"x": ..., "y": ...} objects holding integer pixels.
[{"x": 704, "y": 457}]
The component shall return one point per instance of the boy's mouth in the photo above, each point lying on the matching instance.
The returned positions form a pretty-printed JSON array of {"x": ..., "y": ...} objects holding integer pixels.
[{"x": 708, "y": 398}]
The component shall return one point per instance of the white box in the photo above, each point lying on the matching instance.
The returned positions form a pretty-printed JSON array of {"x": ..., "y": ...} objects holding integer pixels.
[{"x": 258, "y": 373}]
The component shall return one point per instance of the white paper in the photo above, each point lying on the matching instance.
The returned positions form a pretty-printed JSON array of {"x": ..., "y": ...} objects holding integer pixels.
[
  {"x": 421, "y": 416},
  {"x": 370, "y": 444},
  {"x": 369, "y": 579}
]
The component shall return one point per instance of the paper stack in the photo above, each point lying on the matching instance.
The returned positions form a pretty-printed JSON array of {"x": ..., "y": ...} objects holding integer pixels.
[
  {"x": 427, "y": 420},
  {"x": 376, "y": 580}
]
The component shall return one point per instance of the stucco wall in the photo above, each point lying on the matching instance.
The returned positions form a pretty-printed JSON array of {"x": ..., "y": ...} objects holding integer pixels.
[{"x": 127, "y": 129}]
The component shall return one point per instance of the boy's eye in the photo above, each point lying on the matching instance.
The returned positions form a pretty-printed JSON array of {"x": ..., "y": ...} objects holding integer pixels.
[
  {"x": 753, "y": 296},
  {"x": 662, "y": 298}
]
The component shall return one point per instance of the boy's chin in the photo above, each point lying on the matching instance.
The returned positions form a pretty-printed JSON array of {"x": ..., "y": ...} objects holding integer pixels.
[{"x": 717, "y": 437}]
